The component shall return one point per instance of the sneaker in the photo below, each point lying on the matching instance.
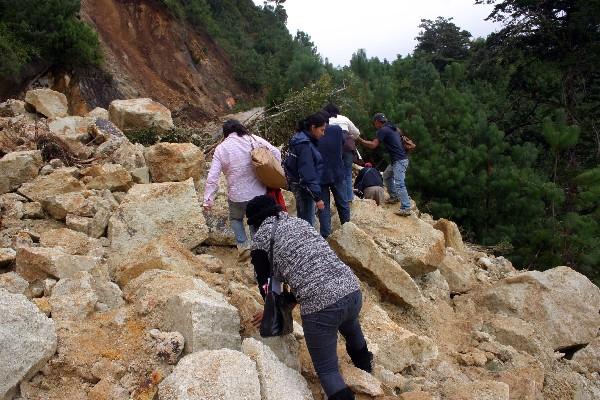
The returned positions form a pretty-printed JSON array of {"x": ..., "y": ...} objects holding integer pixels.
[
  {"x": 392, "y": 200},
  {"x": 403, "y": 212}
]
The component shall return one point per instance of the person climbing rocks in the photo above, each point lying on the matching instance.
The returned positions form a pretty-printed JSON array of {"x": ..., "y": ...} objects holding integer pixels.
[{"x": 369, "y": 184}]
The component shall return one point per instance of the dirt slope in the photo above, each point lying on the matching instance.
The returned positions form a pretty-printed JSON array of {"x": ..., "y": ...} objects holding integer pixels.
[{"x": 148, "y": 53}]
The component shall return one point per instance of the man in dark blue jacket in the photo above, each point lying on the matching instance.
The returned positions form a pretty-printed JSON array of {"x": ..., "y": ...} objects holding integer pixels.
[
  {"x": 333, "y": 178},
  {"x": 369, "y": 184},
  {"x": 304, "y": 167},
  {"x": 395, "y": 174}
]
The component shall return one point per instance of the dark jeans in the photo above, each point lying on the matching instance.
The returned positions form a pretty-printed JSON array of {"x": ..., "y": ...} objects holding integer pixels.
[
  {"x": 305, "y": 205},
  {"x": 320, "y": 332},
  {"x": 348, "y": 158},
  {"x": 341, "y": 203}
]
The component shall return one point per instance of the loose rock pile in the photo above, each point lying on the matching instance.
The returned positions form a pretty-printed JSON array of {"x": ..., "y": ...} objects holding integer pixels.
[{"x": 115, "y": 285}]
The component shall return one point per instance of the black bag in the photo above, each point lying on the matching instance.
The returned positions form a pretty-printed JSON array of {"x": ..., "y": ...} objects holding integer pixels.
[{"x": 277, "y": 315}]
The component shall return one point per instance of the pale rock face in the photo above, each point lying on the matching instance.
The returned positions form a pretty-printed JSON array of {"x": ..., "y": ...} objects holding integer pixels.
[
  {"x": 7, "y": 256},
  {"x": 217, "y": 220},
  {"x": 560, "y": 302},
  {"x": 212, "y": 374},
  {"x": 42, "y": 262},
  {"x": 274, "y": 375},
  {"x": 478, "y": 390},
  {"x": 48, "y": 102},
  {"x": 162, "y": 253},
  {"x": 569, "y": 385},
  {"x": 73, "y": 131},
  {"x": 451, "y": 233},
  {"x": 119, "y": 150},
  {"x": 98, "y": 112},
  {"x": 395, "y": 348},
  {"x": 460, "y": 274},
  {"x": 174, "y": 162},
  {"x": 514, "y": 332},
  {"x": 361, "y": 253},
  {"x": 360, "y": 381},
  {"x": 140, "y": 114},
  {"x": 59, "y": 205},
  {"x": 58, "y": 182},
  {"x": 17, "y": 168},
  {"x": 13, "y": 283},
  {"x": 589, "y": 356},
  {"x": 157, "y": 209},
  {"x": 27, "y": 341},
  {"x": 72, "y": 242},
  {"x": 107, "y": 176},
  {"x": 412, "y": 243},
  {"x": 73, "y": 299},
  {"x": 174, "y": 302}
]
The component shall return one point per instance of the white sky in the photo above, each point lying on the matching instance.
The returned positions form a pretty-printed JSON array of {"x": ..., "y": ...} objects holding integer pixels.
[{"x": 384, "y": 28}]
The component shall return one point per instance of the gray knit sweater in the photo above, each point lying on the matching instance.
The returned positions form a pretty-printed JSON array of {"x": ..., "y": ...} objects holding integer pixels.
[{"x": 304, "y": 260}]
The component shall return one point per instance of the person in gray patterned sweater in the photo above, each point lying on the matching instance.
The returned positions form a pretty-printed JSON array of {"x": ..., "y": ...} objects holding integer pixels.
[{"x": 326, "y": 289}]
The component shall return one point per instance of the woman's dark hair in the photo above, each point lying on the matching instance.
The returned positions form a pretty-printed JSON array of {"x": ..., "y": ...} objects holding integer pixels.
[
  {"x": 233, "y": 125},
  {"x": 316, "y": 119},
  {"x": 261, "y": 208},
  {"x": 332, "y": 109}
]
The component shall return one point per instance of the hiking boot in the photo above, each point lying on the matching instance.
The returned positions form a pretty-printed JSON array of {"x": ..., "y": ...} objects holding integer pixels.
[
  {"x": 392, "y": 200},
  {"x": 362, "y": 359},
  {"x": 344, "y": 394},
  {"x": 403, "y": 212}
]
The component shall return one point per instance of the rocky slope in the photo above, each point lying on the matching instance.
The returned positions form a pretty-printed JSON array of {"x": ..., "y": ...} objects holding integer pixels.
[
  {"x": 114, "y": 285},
  {"x": 147, "y": 53}
]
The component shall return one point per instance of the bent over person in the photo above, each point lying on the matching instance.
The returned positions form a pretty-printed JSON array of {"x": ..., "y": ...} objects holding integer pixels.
[{"x": 326, "y": 289}]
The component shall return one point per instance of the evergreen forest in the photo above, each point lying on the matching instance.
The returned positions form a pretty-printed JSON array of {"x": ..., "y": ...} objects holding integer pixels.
[{"x": 507, "y": 127}]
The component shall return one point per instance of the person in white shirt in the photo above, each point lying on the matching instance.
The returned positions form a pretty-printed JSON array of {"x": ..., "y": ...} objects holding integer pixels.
[
  {"x": 349, "y": 149},
  {"x": 232, "y": 157}
]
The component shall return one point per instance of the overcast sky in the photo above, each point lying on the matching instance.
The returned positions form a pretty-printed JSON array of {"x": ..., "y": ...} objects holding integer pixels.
[{"x": 384, "y": 28}]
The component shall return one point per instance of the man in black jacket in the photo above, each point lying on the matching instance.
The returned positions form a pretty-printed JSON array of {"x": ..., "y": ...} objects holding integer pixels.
[{"x": 369, "y": 184}]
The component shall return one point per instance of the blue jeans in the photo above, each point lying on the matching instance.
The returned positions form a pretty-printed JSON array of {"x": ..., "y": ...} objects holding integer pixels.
[
  {"x": 394, "y": 176},
  {"x": 341, "y": 204},
  {"x": 320, "y": 332},
  {"x": 237, "y": 211},
  {"x": 305, "y": 205},
  {"x": 348, "y": 158}
]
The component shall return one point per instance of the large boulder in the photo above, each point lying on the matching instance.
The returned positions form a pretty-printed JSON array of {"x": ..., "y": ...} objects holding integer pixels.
[
  {"x": 157, "y": 209},
  {"x": 27, "y": 341},
  {"x": 17, "y": 168},
  {"x": 413, "y": 243},
  {"x": 12, "y": 108},
  {"x": 274, "y": 375},
  {"x": 478, "y": 390},
  {"x": 561, "y": 303},
  {"x": 164, "y": 253},
  {"x": 72, "y": 242},
  {"x": 48, "y": 102},
  {"x": 459, "y": 273},
  {"x": 213, "y": 374},
  {"x": 589, "y": 356},
  {"x": 113, "y": 177},
  {"x": 35, "y": 263},
  {"x": 361, "y": 253},
  {"x": 73, "y": 131},
  {"x": 58, "y": 182},
  {"x": 60, "y": 205},
  {"x": 102, "y": 130},
  {"x": 174, "y": 302},
  {"x": 174, "y": 162},
  {"x": 74, "y": 298},
  {"x": 13, "y": 282},
  {"x": 451, "y": 233},
  {"x": 140, "y": 114},
  {"x": 394, "y": 347}
]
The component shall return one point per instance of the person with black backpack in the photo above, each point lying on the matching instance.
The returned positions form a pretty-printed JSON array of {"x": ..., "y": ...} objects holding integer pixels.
[
  {"x": 395, "y": 173},
  {"x": 304, "y": 166},
  {"x": 369, "y": 184}
]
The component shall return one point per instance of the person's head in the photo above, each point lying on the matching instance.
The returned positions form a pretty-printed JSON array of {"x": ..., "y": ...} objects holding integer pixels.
[
  {"x": 259, "y": 209},
  {"x": 379, "y": 120},
  {"x": 332, "y": 109},
  {"x": 233, "y": 125},
  {"x": 314, "y": 125}
]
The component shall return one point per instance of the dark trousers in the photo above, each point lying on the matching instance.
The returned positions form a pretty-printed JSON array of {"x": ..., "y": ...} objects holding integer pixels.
[
  {"x": 341, "y": 204},
  {"x": 320, "y": 332}
]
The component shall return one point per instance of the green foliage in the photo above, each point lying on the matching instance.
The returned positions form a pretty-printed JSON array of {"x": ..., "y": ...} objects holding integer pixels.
[
  {"x": 47, "y": 31},
  {"x": 442, "y": 42}
]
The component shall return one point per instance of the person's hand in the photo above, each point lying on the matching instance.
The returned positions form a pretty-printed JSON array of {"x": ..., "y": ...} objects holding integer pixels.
[
  {"x": 320, "y": 205},
  {"x": 257, "y": 319}
]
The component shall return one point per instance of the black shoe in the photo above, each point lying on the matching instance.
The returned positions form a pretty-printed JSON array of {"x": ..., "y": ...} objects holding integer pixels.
[
  {"x": 362, "y": 358},
  {"x": 344, "y": 394}
]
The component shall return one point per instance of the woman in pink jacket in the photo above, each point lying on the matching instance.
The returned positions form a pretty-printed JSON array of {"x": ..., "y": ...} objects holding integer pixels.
[{"x": 232, "y": 157}]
